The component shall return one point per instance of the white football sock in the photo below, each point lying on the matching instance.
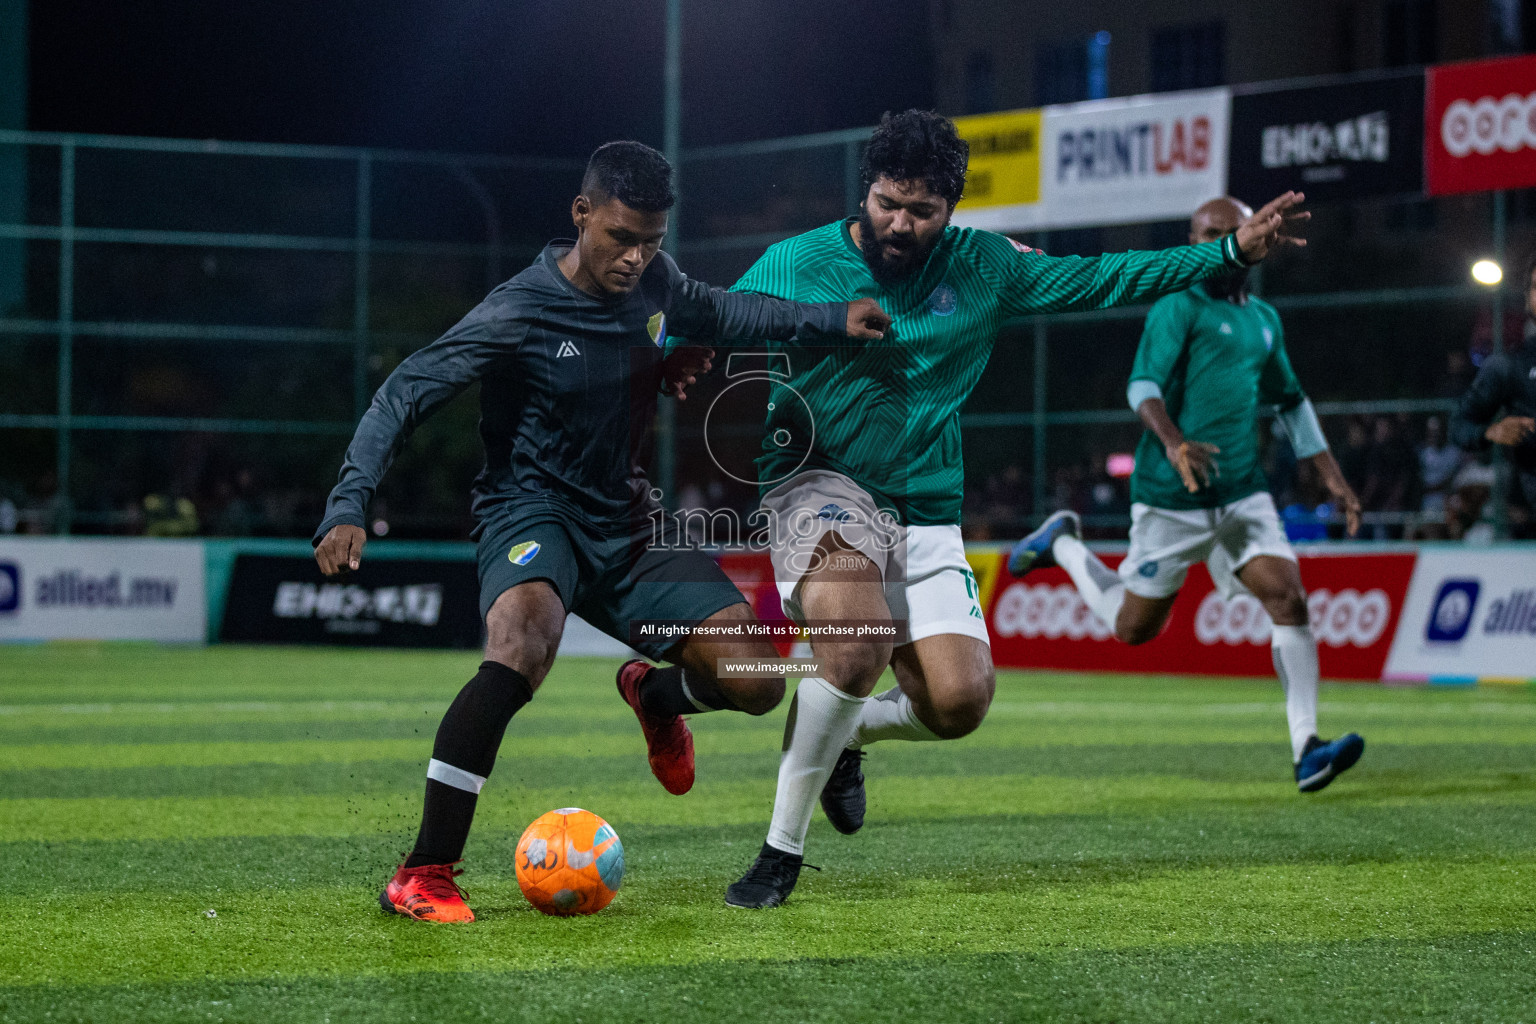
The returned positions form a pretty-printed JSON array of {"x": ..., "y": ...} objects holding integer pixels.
[
  {"x": 824, "y": 720},
  {"x": 1101, "y": 587},
  {"x": 890, "y": 716},
  {"x": 1295, "y": 656}
]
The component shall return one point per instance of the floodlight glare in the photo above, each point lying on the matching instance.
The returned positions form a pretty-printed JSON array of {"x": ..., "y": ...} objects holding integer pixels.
[{"x": 1487, "y": 272}]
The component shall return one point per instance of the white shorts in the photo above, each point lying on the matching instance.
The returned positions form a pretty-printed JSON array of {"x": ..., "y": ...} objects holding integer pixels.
[
  {"x": 1166, "y": 542},
  {"x": 928, "y": 582}
]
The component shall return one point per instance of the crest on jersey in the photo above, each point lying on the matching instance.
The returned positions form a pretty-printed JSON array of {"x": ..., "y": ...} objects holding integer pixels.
[
  {"x": 567, "y": 349},
  {"x": 1269, "y": 339},
  {"x": 944, "y": 300},
  {"x": 1225, "y": 328},
  {"x": 656, "y": 327},
  {"x": 522, "y": 554}
]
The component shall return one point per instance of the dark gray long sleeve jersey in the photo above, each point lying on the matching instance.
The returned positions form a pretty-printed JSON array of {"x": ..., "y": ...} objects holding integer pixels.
[
  {"x": 1507, "y": 381},
  {"x": 569, "y": 385}
]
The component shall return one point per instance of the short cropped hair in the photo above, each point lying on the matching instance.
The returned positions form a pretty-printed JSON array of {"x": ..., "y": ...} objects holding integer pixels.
[
  {"x": 917, "y": 145},
  {"x": 631, "y": 172}
]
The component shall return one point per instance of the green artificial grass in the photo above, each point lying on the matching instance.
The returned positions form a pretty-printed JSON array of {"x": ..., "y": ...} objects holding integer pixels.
[{"x": 1102, "y": 849}]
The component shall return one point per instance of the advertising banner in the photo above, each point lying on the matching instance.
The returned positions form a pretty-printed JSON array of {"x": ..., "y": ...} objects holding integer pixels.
[
  {"x": 1140, "y": 159},
  {"x": 1470, "y": 615},
  {"x": 1002, "y": 181},
  {"x": 387, "y": 602},
  {"x": 101, "y": 590},
  {"x": 1480, "y": 126},
  {"x": 1339, "y": 141},
  {"x": 1121, "y": 161},
  {"x": 1355, "y": 602}
]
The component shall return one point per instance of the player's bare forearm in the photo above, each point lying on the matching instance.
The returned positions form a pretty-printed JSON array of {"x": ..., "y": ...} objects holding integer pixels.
[
  {"x": 1332, "y": 476},
  {"x": 1154, "y": 414}
]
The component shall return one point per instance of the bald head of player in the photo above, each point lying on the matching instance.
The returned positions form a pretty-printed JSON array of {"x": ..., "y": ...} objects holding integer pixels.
[
  {"x": 1213, "y": 221},
  {"x": 620, "y": 217}
]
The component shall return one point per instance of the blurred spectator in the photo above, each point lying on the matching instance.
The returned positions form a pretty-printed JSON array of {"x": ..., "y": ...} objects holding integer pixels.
[
  {"x": 168, "y": 517},
  {"x": 1438, "y": 462},
  {"x": 1470, "y": 490},
  {"x": 1352, "y": 453},
  {"x": 9, "y": 516},
  {"x": 235, "y": 515},
  {"x": 1458, "y": 374},
  {"x": 1390, "y": 470}
]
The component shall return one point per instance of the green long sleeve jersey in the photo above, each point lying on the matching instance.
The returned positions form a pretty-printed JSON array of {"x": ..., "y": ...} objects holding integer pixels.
[
  {"x": 1215, "y": 362},
  {"x": 887, "y": 413}
]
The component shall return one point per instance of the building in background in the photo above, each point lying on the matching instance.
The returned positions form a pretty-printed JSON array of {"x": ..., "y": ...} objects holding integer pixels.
[{"x": 1000, "y": 54}]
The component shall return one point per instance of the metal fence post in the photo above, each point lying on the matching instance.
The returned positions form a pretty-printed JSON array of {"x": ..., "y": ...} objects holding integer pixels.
[
  {"x": 672, "y": 144},
  {"x": 1501, "y": 473},
  {"x": 1038, "y": 426},
  {"x": 66, "y": 334},
  {"x": 360, "y": 271},
  {"x": 852, "y": 190}
]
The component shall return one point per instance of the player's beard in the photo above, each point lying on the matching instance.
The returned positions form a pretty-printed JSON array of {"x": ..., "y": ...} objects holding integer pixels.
[{"x": 890, "y": 271}]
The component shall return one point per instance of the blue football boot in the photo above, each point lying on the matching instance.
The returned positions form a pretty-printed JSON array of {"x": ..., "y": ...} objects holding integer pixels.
[
  {"x": 1034, "y": 551},
  {"x": 1322, "y": 762}
]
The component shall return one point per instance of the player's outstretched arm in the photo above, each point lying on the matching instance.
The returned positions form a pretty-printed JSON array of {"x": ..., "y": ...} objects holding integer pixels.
[
  {"x": 722, "y": 317},
  {"x": 418, "y": 387},
  {"x": 1033, "y": 282},
  {"x": 1272, "y": 227}
]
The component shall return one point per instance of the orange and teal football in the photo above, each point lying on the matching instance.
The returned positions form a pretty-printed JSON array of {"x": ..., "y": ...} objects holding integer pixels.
[{"x": 570, "y": 862}]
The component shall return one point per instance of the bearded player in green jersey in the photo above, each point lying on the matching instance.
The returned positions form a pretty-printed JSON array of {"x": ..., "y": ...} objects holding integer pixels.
[
  {"x": 861, "y": 468},
  {"x": 1209, "y": 357}
]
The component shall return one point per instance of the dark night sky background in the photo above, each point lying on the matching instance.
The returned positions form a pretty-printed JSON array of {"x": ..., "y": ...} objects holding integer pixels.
[{"x": 549, "y": 77}]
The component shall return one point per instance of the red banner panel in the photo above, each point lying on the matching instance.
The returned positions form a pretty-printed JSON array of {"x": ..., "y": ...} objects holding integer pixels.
[
  {"x": 1480, "y": 126},
  {"x": 1355, "y": 600}
]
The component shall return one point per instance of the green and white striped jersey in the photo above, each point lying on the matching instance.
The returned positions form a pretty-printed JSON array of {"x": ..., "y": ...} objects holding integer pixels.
[{"x": 887, "y": 413}]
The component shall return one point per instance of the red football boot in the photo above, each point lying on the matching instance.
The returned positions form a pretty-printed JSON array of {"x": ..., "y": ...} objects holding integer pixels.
[
  {"x": 427, "y": 893},
  {"x": 669, "y": 744}
]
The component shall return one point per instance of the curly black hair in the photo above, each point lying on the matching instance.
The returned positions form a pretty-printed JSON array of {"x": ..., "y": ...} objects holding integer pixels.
[
  {"x": 917, "y": 145},
  {"x": 631, "y": 172}
]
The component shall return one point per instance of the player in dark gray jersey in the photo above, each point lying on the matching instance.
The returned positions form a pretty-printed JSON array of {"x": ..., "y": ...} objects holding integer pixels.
[{"x": 569, "y": 354}]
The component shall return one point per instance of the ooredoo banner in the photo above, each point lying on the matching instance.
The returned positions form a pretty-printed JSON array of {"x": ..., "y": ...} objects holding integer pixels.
[
  {"x": 1470, "y": 615},
  {"x": 1355, "y": 603},
  {"x": 101, "y": 590},
  {"x": 1347, "y": 140},
  {"x": 1480, "y": 126}
]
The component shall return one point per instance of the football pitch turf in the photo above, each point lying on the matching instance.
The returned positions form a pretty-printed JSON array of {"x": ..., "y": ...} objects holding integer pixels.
[{"x": 201, "y": 835}]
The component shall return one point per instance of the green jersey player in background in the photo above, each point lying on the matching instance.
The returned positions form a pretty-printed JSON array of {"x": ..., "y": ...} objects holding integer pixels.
[
  {"x": 861, "y": 469},
  {"x": 1209, "y": 357}
]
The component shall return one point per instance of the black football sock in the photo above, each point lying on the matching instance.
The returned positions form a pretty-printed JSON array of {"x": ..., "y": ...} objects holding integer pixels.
[
  {"x": 664, "y": 692},
  {"x": 462, "y": 758}
]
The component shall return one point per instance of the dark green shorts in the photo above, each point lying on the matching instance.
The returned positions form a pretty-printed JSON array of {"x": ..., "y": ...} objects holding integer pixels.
[{"x": 612, "y": 580}]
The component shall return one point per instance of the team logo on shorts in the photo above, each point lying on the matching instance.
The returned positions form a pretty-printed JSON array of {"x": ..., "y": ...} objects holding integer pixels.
[
  {"x": 522, "y": 554},
  {"x": 1148, "y": 569},
  {"x": 836, "y": 513},
  {"x": 656, "y": 327},
  {"x": 944, "y": 301}
]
